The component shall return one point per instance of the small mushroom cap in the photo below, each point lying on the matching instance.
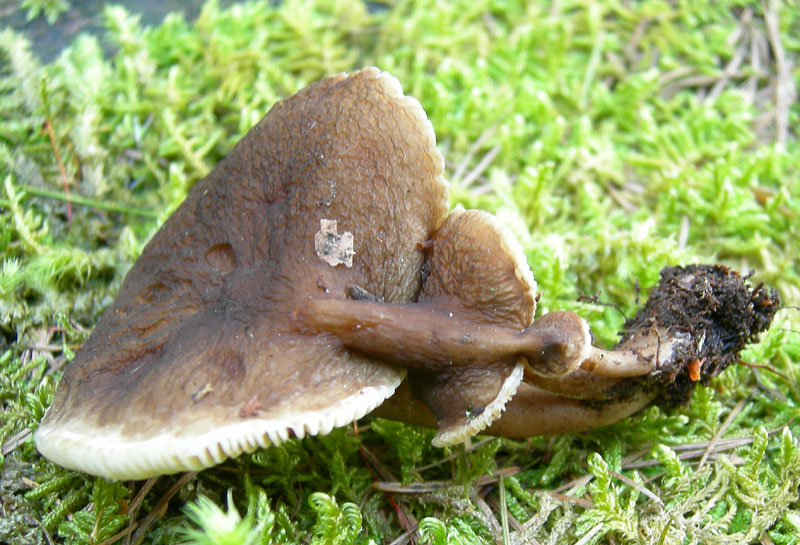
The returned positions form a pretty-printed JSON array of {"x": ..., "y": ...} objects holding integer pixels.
[
  {"x": 476, "y": 267},
  {"x": 200, "y": 356},
  {"x": 477, "y": 261}
]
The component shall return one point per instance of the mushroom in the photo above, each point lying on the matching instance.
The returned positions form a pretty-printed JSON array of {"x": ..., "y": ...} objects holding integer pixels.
[
  {"x": 199, "y": 358},
  {"x": 315, "y": 267}
]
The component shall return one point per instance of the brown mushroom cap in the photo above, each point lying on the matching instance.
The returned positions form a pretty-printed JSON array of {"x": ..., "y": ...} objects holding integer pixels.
[
  {"x": 477, "y": 268},
  {"x": 200, "y": 357}
]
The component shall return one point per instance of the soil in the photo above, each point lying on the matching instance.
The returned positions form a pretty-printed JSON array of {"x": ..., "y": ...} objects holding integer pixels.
[{"x": 717, "y": 310}]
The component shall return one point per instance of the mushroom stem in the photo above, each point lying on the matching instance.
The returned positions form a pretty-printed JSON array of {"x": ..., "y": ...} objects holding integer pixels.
[
  {"x": 578, "y": 385},
  {"x": 530, "y": 412},
  {"x": 639, "y": 355},
  {"x": 425, "y": 335},
  {"x": 618, "y": 363},
  {"x": 535, "y": 412},
  {"x": 420, "y": 336}
]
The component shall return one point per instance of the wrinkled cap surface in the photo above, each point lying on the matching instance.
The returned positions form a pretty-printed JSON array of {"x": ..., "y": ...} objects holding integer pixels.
[{"x": 200, "y": 358}]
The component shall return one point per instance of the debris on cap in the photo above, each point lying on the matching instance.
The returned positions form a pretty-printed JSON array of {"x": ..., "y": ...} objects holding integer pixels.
[{"x": 331, "y": 247}]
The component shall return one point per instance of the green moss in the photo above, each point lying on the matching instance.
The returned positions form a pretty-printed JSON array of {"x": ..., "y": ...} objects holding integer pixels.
[
  {"x": 51, "y": 9},
  {"x": 612, "y": 138}
]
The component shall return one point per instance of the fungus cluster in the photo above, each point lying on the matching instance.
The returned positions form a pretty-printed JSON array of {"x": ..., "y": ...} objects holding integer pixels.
[{"x": 315, "y": 275}]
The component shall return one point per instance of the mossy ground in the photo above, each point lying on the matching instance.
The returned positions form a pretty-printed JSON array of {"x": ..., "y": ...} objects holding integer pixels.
[{"x": 613, "y": 138}]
